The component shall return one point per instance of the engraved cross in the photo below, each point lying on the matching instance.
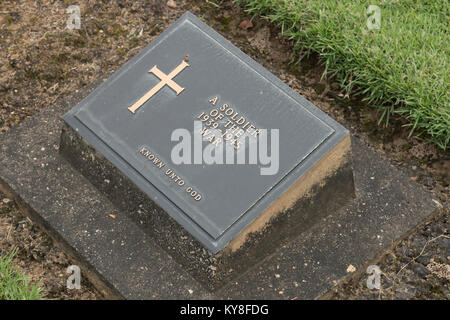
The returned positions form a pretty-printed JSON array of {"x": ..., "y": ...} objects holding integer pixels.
[{"x": 165, "y": 80}]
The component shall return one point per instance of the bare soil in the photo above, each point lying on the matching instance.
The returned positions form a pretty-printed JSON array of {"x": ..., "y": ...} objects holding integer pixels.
[{"x": 42, "y": 61}]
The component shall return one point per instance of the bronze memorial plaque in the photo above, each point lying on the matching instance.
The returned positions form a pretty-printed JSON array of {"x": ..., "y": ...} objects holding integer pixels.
[{"x": 193, "y": 130}]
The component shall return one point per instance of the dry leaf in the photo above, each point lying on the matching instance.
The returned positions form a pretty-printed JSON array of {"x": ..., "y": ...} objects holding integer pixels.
[
  {"x": 246, "y": 24},
  {"x": 171, "y": 4},
  {"x": 351, "y": 268}
]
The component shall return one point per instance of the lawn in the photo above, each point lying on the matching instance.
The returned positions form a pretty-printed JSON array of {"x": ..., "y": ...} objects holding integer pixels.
[
  {"x": 401, "y": 67},
  {"x": 13, "y": 284}
]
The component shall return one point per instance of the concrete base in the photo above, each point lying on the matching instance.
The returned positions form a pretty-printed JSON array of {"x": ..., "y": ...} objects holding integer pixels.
[
  {"x": 123, "y": 261},
  {"x": 321, "y": 191}
]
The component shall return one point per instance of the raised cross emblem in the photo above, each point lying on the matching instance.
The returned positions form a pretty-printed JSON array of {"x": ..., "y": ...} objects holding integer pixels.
[{"x": 166, "y": 79}]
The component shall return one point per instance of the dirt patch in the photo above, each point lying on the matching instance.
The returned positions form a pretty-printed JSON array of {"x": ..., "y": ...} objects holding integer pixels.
[
  {"x": 42, "y": 61},
  {"x": 417, "y": 268},
  {"x": 37, "y": 256}
]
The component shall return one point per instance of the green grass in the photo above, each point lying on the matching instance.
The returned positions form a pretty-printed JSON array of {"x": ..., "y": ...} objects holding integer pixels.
[
  {"x": 13, "y": 284},
  {"x": 402, "y": 67}
]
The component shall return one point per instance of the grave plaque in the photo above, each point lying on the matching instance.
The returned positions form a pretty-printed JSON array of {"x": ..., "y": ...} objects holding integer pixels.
[{"x": 213, "y": 155}]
